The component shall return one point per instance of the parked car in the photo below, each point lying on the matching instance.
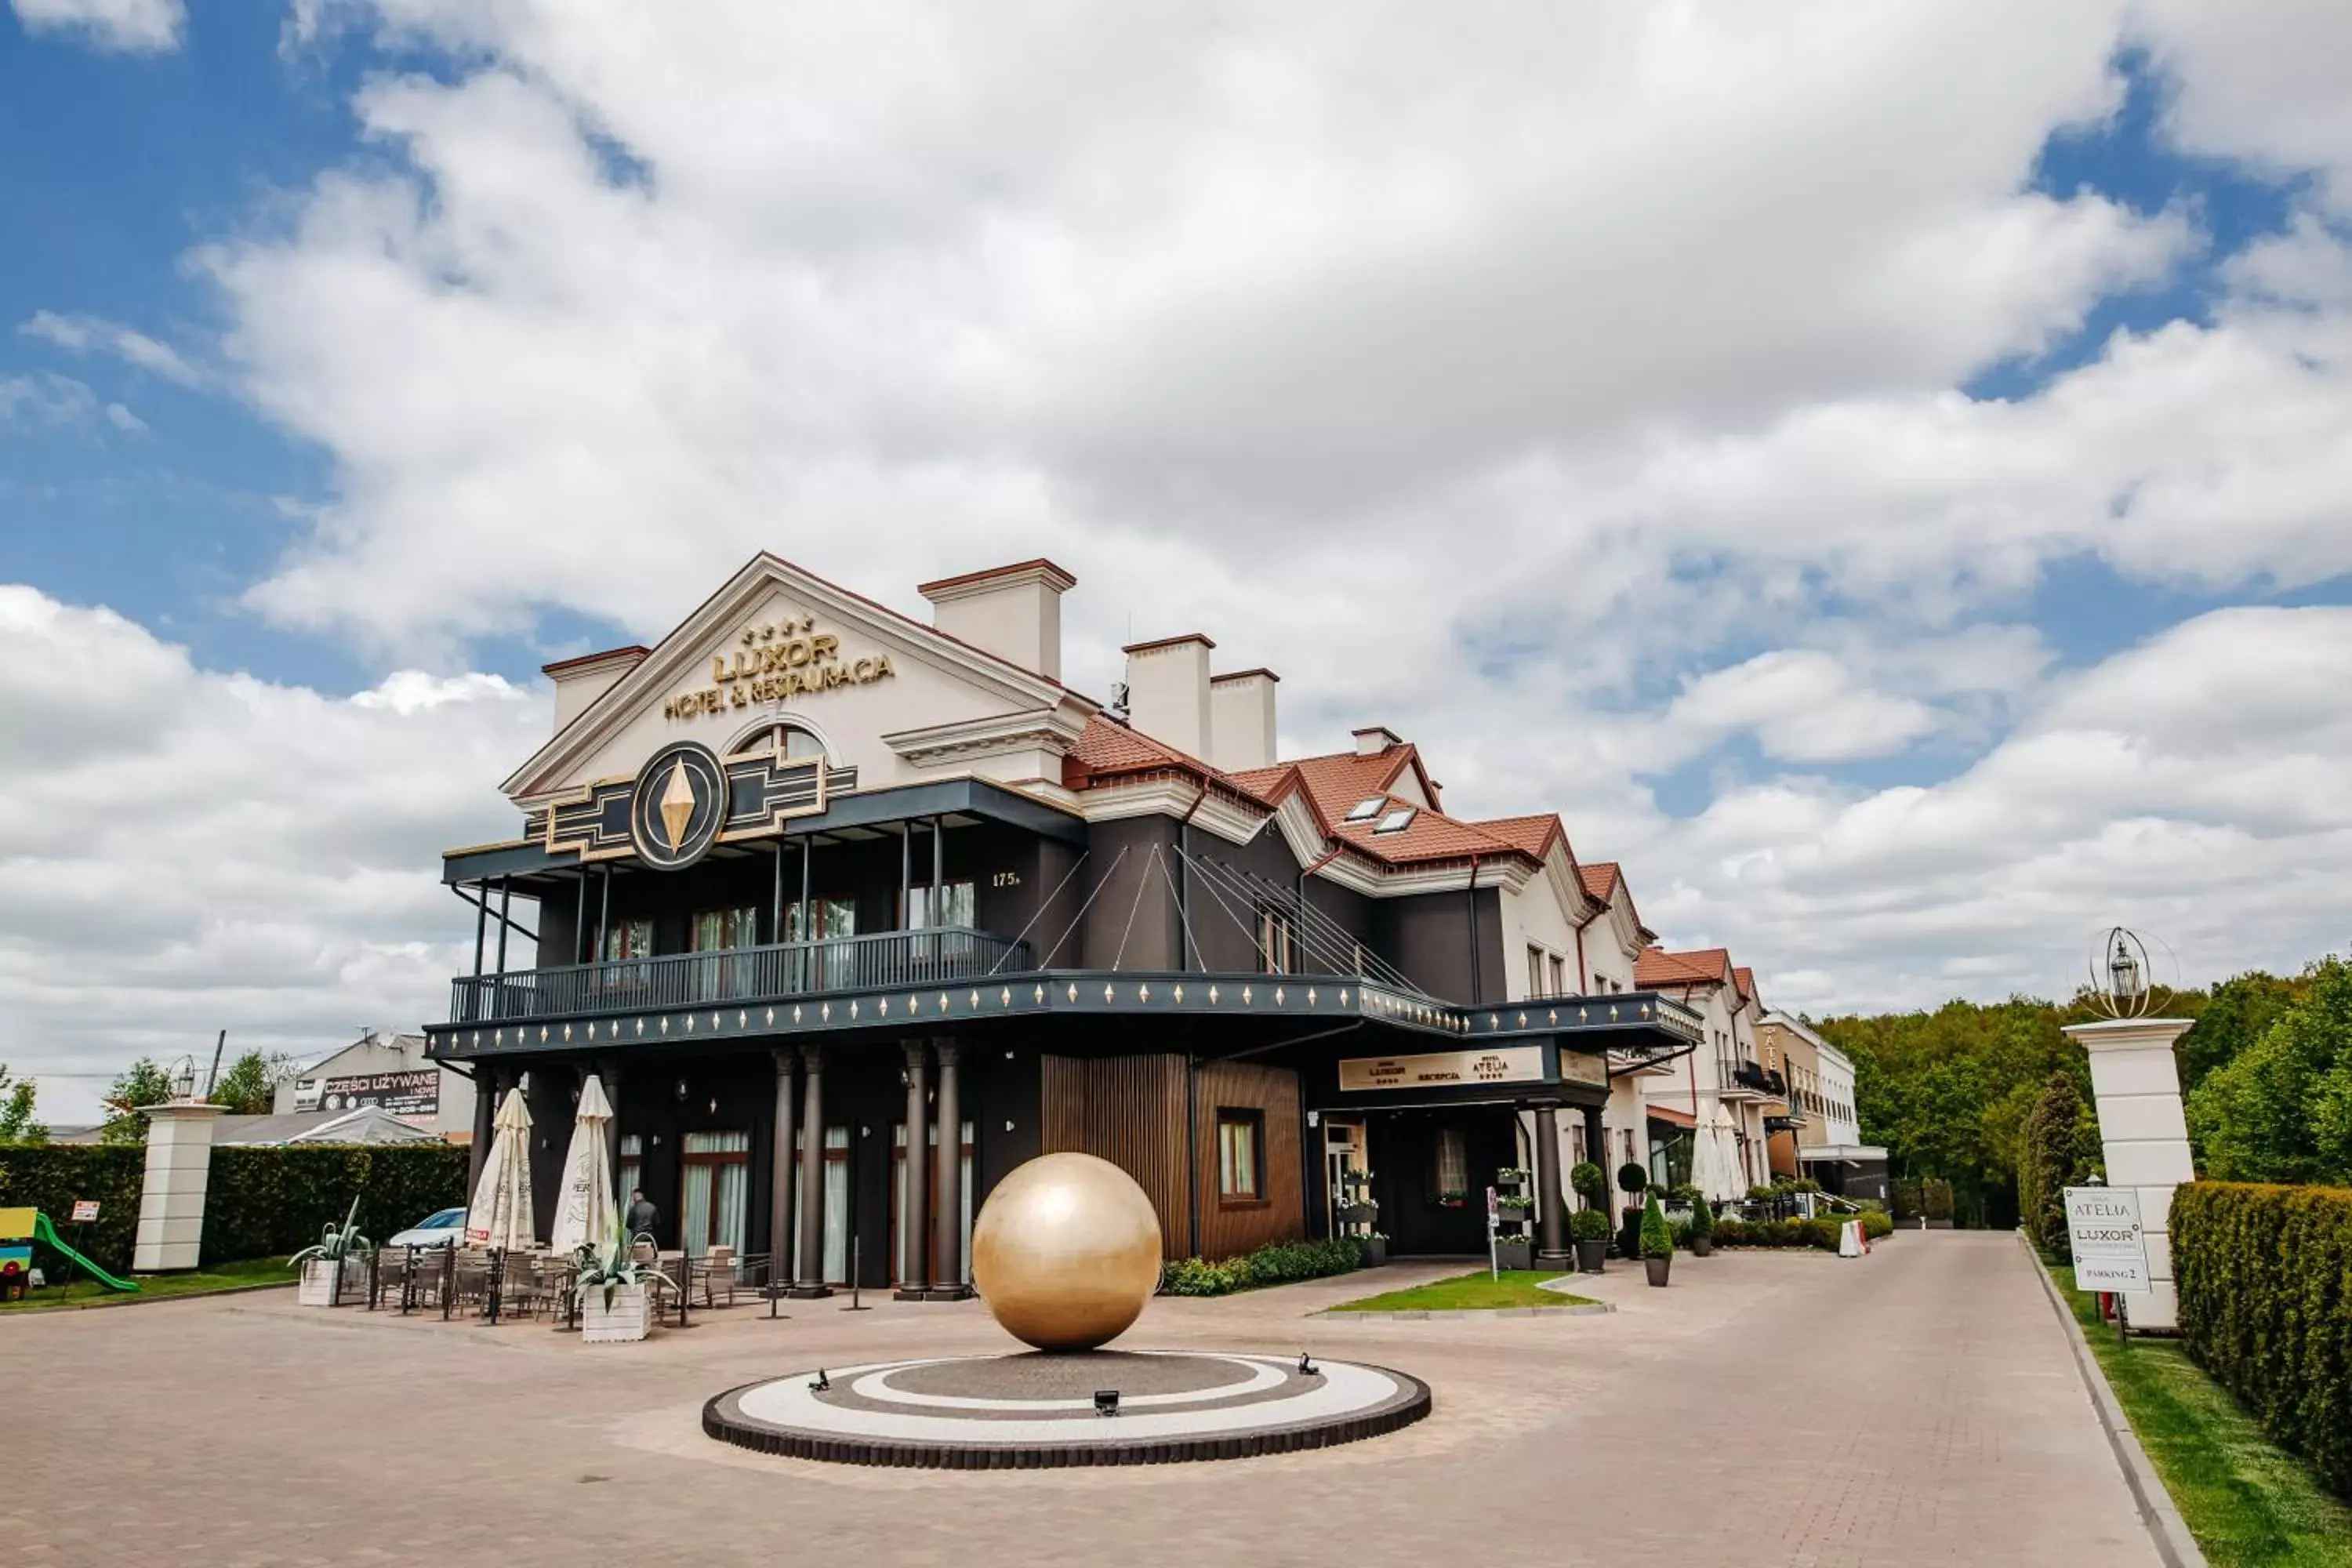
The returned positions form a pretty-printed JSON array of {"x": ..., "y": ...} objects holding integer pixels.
[{"x": 444, "y": 1229}]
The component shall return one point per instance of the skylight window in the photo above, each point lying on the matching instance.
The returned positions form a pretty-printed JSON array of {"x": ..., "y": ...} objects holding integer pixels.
[
  {"x": 1396, "y": 821},
  {"x": 1366, "y": 810}
]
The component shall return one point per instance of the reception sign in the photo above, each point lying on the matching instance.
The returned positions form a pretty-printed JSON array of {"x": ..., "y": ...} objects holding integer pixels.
[
  {"x": 1443, "y": 1069},
  {"x": 2110, "y": 1250}
]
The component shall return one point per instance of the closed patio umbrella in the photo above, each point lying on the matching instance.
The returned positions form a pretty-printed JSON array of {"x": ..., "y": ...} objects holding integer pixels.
[
  {"x": 1715, "y": 1158},
  {"x": 501, "y": 1214},
  {"x": 587, "y": 1216}
]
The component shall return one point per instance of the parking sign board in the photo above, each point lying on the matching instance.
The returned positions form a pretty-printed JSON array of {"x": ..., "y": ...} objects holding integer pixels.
[{"x": 2110, "y": 1252}]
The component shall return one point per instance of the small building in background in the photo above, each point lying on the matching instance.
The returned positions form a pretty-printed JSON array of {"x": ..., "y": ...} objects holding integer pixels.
[
  {"x": 391, "y": 1073},
  {"x": 1823, "y": 1138}
]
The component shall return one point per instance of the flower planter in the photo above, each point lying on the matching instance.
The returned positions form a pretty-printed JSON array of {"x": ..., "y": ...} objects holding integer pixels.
[
  {"x": 1592, "y": 1256},
  {"x": 628, "y": 1319},
  {"x": 1657, "y": 1268},
  {"x": 1375, "y": 1250},
  {"x": 1514, "y": 1253},
  {"x": 1702, "y": 1246},
  {"x": 318, "y": 1284}
]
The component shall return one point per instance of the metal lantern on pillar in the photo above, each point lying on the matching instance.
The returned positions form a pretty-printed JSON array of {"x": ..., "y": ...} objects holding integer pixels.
[{"x": 2121, "y": 984}]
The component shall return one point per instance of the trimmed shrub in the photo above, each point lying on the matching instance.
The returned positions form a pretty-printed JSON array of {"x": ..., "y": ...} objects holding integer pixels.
[
  {"x": 1702, "y": 1219},
  {"x": 1585, "y": 1179},
  {"x": 1275, "y": 1263},
  {"x": 1657, "y": 1236},
  {"x": 1876, "y": 1223},
  {"x": 50, "y": 1176},
  {"x": 1777, "y": 1233},
  {"x": 1587, "y": 1224},
  {"x": 2265, "y": 1281}
]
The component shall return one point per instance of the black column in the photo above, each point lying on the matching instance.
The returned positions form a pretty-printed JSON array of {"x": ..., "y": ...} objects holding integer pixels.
[
  {"x": 914, "y": 1229},
  {"x": 1596, "y": 1150},
  {"x": 485, "y": 1108},
  {"x": 809, "y": 1280},
  {"x": 1551, "y": 1216},
  {"x": 950, "y": 1215},
  {"x": 780, "y": 1177}
]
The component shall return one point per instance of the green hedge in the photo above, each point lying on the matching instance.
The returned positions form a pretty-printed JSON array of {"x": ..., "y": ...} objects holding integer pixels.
[
  {"x": 1277, "y": 1263},
  {"x": 1775, "y": 1233},
  {"x": 259, "y": 1203},
  {"x": 2265, "y": 1281},
  {"x": 50, "y": 1176}
]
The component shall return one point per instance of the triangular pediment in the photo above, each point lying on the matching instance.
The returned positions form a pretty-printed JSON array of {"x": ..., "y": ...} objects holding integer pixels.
[{"x": 778, "y": 644}]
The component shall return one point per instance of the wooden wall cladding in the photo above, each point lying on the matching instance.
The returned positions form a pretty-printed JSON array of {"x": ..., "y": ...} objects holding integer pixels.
[
  {"x": 1228, "y": 1229},
  {"x": 1130, "y": 1112}
]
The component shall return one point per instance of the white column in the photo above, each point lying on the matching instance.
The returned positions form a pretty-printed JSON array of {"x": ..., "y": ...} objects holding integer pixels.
[
  {"x": 2135, "y": 1089},
  {"x": 172, "y": 1204}
]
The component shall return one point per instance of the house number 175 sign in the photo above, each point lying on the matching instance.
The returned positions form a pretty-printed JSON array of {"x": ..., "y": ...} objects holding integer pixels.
[{"x": 2110, "y": 1250}]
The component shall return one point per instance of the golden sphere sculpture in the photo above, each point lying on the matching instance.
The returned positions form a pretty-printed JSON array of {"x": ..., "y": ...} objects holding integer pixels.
[{"x": 1065, "y": 1252}]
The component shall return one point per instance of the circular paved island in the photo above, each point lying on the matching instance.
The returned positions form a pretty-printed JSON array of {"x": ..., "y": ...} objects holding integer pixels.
[{"x": 1037, "y": 1411}]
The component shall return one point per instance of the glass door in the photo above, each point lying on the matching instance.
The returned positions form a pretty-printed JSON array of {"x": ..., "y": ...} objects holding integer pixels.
[{"x": 716, "y": 1180}]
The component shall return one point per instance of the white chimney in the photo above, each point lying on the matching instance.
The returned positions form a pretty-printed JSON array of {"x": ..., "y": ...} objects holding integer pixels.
[
  {"x": 1168, "y": 691},
  {"x": 1371, "y": 742},
  {"x": 1241, "y": 720},
  {"x": 579, "y": 681},
  {"x": 1013, "y": 612}
]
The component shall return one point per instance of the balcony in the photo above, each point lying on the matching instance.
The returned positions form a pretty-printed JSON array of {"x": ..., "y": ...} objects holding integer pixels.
[
  {"x": 742, "y": 974},
  {"x": 1742, "y": 1079}
]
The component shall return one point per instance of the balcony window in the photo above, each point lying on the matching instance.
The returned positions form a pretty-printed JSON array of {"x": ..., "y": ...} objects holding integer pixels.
[
  {"x": 628, "y": 939},
  {"x": 835, "y": 919},
  {"x": 1241, "y": 1156},
  {"x": 1534, "y": 972},
  {"x": 1558, "y": 975},
  {"x": 716, "y": 930},
  {"x": 950, "y": 904},
  {"x": 1277, "y": 942}
]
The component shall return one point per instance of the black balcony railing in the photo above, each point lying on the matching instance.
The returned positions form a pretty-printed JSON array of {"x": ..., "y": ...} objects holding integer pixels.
[
  {"x": 1749, "y": 1075},
  {"x": 738, "y": 974}
]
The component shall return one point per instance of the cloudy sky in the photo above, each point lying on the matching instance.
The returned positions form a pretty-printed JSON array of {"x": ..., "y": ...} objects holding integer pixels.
[{"x": 1881, "y": 472}]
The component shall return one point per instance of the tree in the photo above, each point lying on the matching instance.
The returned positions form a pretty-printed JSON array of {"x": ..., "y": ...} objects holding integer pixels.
[
  {"x": 249, "y": 1087},
  {"x": 141, "y": 1084},
  {"x": 17, "y": 1123},
  {"x": 2059, "y": 1149},
  {"x": 2239, "y": 1012},
  {"x": 2282, "y": 1110}
]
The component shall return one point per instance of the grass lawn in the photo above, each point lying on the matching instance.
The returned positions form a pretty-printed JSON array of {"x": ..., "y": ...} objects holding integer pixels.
[
  {"x": 87, "y": 1292},
  {"x": 2244, "y": 1499},
  {"x": 1469, "y": 1292}
]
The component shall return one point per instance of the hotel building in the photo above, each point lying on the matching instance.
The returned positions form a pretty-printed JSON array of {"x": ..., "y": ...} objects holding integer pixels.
[{"x": 854, "y": 913}]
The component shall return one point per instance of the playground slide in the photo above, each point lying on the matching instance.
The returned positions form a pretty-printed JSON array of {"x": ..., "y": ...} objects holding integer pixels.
[{"x": 46, "y": 1234}]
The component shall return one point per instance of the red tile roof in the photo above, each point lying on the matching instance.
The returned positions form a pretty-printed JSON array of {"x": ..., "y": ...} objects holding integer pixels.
[
  {"x": 1745, "y": 978},
  {"x": 1656, "y": 967},
  {"x": 1601, "y": 878},
  {"x": 1535, "y": 833}
]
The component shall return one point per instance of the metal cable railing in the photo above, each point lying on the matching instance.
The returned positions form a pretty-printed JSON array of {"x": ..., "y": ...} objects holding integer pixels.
[{"x": 884, "y": 960}]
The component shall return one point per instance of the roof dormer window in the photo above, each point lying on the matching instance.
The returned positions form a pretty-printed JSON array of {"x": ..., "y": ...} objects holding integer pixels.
[
  {"x": 1396, "y": 821},
  {"x": 1366, "y": 810}
]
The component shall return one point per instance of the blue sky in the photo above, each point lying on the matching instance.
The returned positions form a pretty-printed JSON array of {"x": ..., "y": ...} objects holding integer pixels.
[{"x": 1924, "y": 436}]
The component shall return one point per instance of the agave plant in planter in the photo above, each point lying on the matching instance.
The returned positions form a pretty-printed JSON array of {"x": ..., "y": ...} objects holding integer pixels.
[
  {"x": 323, "y": 1263},
  {"x": 616, "y": 1301},
  {"x": 1657, "y": 1242},
  {"x": 1588, "y": 1230}
]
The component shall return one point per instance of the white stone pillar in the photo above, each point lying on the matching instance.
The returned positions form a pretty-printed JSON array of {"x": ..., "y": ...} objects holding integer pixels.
[
  {"x": 172, "y": 1204},
  {"x": 2135, "y": 1089}
]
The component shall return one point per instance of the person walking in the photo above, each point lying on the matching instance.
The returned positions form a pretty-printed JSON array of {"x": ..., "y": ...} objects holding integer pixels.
[{"x": 642, "y": 1215}]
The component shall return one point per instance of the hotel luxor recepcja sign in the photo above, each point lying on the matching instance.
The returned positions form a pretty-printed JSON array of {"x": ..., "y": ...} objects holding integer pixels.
[{"x": 784, "y": 659}]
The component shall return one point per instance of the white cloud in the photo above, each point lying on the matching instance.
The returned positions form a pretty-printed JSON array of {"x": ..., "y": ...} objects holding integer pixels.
[
  {"x": 1801, "y": 705},
  {"x": 122, "y": 419},
  {"x": 130, "y": 26},
  {"x": 95, "y": 334},
  {"x": 44, "y": 401},
  {"x": 185, "y": 851}
]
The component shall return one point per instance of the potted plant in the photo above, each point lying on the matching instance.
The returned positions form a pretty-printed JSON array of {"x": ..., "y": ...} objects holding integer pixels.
[
  {"x": 1513, "y": 1249},
  {"x": 1585, "y": 1179},
  {"x": 1374, "y": 1248},
  {"x": 1511, "y": 1176},
  {"x": 1588, "y": 1230},
  {"x": 1657, "y": 1243},
  {"x": 1452, "y": 1198},
  {"x": 1702, "y": 1228},
  {"x": 1631, "y": 1180},
  {"x": 615, "y": 1307},
  {"x": 1514, "y": 1202},
  {"x": 322, "y": 1264}
]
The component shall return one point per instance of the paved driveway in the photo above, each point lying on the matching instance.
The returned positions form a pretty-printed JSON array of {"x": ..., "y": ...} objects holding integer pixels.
[{"x": 1917, "y": 1406}]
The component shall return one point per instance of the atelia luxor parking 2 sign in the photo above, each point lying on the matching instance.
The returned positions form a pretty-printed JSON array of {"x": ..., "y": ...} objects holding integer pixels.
[{"x": 2110, "y": 1251}]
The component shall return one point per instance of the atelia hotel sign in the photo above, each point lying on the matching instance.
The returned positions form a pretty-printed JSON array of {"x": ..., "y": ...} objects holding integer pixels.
[
  {"x": 1505, "y": 1064},
  {"x": 779, "y": 659}
]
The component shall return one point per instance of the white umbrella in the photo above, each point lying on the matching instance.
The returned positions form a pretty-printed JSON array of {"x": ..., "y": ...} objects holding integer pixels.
[
  {"x": 587, "y": 1216},
  {"x": 501, "y": 1214},
  {"x": 1715, "y": 1159}
]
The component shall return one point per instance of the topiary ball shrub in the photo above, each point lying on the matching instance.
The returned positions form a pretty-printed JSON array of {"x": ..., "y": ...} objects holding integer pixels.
[
  {"x": 1587, "y": 1224},
  {"x": 1632, "y": 1178},
  {"x": 1585, "y": 1179}
]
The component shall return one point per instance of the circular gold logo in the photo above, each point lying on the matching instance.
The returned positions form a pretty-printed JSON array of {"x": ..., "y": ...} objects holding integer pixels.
[{"x": 679, "y": 806}]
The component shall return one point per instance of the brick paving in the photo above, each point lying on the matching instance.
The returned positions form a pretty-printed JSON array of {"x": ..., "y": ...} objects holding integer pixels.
[{"x": 1919, "y": 1406}]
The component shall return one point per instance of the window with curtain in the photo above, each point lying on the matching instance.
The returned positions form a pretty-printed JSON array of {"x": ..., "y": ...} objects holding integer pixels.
[
  {"x": 633, "y": 1163},
  {"x": 1534, "y": 972},
  {"x": 1453, "y": 1160},
  {"x": 1558, "y": 975},
  {"x": 1241, "y": 1146},
  {"x": 628, "y": 939},
  {"x": 717, "y": 1180},
  {"x": 715, "y": 930},
  {"x": 1275, "y": 943},
  {"x": 949, "y": 904},
  {"x": 836, "y": 917}
]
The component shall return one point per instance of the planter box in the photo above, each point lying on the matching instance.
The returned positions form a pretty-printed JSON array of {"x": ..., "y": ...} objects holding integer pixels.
[
  {"x": 318, "y": 1286},
  {"x": 1513, "y": 1254},
  {"x": 1592, "y": 1256},
  {"x": 629, "y": 1317},
  {"x": 1657, "y": 1268},
  {"x": 1376, "y": 1251}
]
